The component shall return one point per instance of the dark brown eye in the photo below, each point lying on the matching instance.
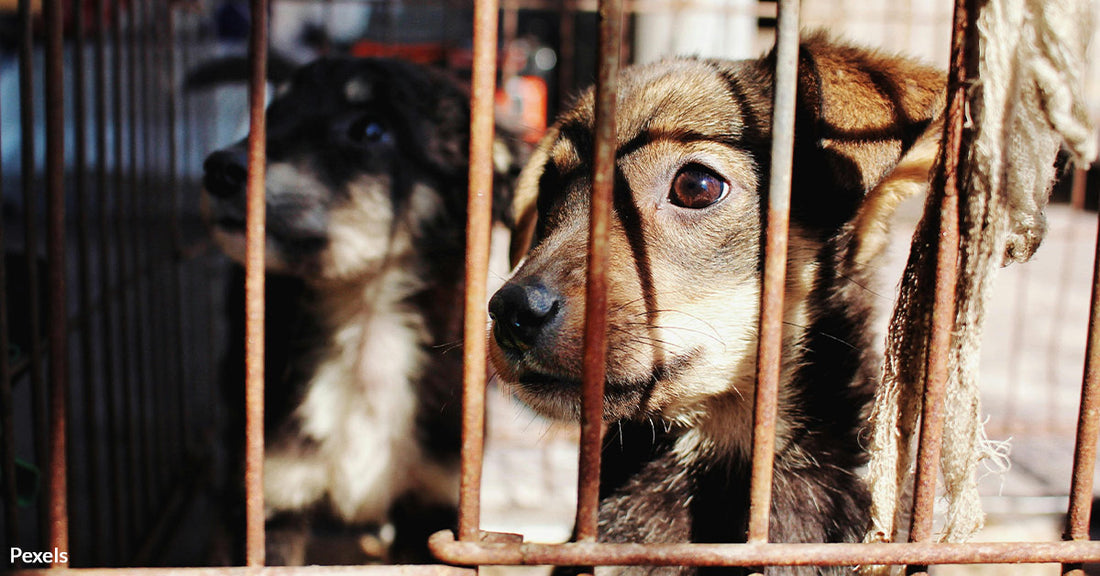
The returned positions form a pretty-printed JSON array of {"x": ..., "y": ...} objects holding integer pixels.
[{"x": 697, "y": 187}]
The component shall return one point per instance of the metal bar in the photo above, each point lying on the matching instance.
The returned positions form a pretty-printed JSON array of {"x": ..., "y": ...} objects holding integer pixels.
[
  {"x": 770, "y": 348},
  {"x": 92, "y": 440},
  {"x": 567, "y": 35},
  {"x": 406, "y": 570},
  {"x": 254, "y": 291},
  {"x": 110, "y": 384},
  {"x": 157, "y": 381},
  {"x": 595, "y": 325},
  {"x": 7, "y": 410},
  {"x": 30, "y": 247},
  {"x": 758, "y": 554},
  {"x": 946, "y": 189},
  {"x": 478, "y": 224},
  {"x": 139, "y": 169},
  {"x": 126, "y": 351},
  {"x": 177, "y": 254},
  {"x": 55, "y": 257},
  {"x": 1077, "y": 192},
  {"x": 1088, "y": 428}
]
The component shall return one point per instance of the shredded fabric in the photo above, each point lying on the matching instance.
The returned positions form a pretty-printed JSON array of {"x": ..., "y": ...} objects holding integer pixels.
[{"x": 1026, "y": 103}]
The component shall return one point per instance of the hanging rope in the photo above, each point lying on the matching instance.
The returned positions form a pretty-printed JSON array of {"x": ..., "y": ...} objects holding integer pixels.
[{"x": 1025, "y": 103}]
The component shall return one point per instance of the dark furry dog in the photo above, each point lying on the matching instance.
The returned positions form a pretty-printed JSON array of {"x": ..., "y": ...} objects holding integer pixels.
[
  {"x": 366, "y": 207},
  {"x": 684, "y": 287}
]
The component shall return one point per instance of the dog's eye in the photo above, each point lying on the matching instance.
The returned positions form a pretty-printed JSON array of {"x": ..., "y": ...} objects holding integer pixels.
[
  {"x": 368, "y": 131},
  {"x": 697, "y": 187}
]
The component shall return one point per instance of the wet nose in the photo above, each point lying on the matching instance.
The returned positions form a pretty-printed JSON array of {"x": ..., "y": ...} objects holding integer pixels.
[
  {"x": 225, "y": 172},
  {"x": 521, "y": 313}
]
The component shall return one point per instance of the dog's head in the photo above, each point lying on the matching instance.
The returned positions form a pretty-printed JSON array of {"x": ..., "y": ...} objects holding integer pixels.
[
  {"x": 364, "y": 156},
  {"x": 685, "y": 262}
]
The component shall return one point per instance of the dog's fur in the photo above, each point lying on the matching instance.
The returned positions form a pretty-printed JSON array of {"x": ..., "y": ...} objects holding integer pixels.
[
  {"x": 366, "y": 180},
  {"x": 684, "y": 287}
]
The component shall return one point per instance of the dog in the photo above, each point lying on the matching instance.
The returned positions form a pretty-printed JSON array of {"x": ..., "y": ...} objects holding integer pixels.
[
  {"x": 366, "y": 177},
  {"x": 684, "y": 285}
]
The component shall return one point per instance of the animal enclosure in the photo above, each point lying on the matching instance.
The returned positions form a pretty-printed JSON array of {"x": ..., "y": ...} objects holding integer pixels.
[{"x": 114, "y": 297}]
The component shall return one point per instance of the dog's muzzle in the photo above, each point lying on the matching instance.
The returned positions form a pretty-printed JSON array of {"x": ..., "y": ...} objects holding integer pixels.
[{"x": 523, "y": 314}]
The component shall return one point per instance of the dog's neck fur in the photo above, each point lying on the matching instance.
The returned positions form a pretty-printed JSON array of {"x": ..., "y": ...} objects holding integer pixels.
[
  {"x": 691, "y": 484},
  {"x": 364, "y": 404}
]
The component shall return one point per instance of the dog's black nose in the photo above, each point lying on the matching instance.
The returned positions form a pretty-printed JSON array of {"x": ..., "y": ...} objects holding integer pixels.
[
  {"x": 225, "y": 172},
  {"x": 520, "y": 313}
]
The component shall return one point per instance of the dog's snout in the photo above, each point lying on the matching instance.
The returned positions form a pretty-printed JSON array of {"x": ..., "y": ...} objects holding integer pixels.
[
  {"x": 225, "y": 172},
  {"x": 521, "y": 313}
]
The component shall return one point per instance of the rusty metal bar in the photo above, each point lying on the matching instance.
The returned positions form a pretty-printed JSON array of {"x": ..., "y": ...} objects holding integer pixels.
[
  {"x": 567, "y": 24},
  {"x": 110, "y": 384},
  {"x": 946, "y": 189},
  {"x": 92, "y": 441},
  {"x": 127, "y": 354},
  {"x": 30, "y": 248},
  {"x": 55, "y": 257},
  {"x": 7, "y": 410},
  {"x": 758, "y": 554},
  {"x": 769, "y": 351},
  {"x": 1088, "y": 428},
  {"x": 184, "y": 399},
  {"x": 254, "y": 291},
  {"x": 1077, "y": 192},
  {"x": 595, "y": 325},
  {"x": 404, "y": 570},
  {"x": 478, "y": 223},
  {"x": 131, "y": 282}
]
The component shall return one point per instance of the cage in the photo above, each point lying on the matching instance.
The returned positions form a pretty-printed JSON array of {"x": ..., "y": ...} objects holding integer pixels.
[{"x": 115, "y": 299}]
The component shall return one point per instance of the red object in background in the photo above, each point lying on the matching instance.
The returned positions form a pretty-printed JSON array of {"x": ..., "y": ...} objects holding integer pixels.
[
  {"x": 521, "y": 102},
  {"x": 425, "y": 53}
]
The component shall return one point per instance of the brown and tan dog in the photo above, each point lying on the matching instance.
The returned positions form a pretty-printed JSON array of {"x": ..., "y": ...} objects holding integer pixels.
[{"x": 685, "y": 274}]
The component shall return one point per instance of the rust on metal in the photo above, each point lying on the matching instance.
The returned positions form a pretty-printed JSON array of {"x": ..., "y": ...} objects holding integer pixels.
[
  {"x": 92, "y": 424},
  {"x": 444, "y": 546},
  {"x": 769, "y": 351},
  {"x": 55, "y": 258},
  {"x": 478, "y": 230},
  {"x": 1088, "y": 427},
  {"x": 402, "y": 570},
  {"x": 27, "y": 105},
  {"x": 255, "y": 234},
  {"x": 595, "y": 325},
  {"x": 946, "y": 188}
]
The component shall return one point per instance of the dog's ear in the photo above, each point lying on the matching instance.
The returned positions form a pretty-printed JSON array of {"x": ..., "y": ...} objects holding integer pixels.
[
  {"x": 859, "y": 118},
  {"x": 525, "y": 198}
]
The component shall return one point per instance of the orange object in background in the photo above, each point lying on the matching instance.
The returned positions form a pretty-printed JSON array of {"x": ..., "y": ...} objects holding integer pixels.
[{"x": 521, "y": 103}]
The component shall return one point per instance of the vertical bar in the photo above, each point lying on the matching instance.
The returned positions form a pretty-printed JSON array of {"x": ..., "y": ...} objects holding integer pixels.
[
  {"x": 83, "y": 209},
  {"x": 7, "y": 411},
  {"x": 769, "y": 351},
  {"x": 176, "y": 232},
  {"x": 30, "y": 246},
  {"x": 479, "y": 205},
  {"x": 566, "y": 46},
  {"x": 595, "y": 325},
  {"x": 1088, "y": 428},
  {"x": 1077, "y": 192},
  {"x": 113, "y": 428},
  {"x": 126, "y": 356},
  {"x": 254, "y": 291},
  {"x": 55, "y": 252},
  {"x": 946, "y": 188}
]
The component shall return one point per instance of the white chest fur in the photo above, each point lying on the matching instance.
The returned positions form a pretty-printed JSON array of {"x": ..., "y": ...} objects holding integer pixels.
[{"x": 356, "y": 443}]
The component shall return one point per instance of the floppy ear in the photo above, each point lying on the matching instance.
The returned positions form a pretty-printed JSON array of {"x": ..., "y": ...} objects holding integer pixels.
[
  {"x": 525, "y": 200},
  {"x": 858, "y": 115}
]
